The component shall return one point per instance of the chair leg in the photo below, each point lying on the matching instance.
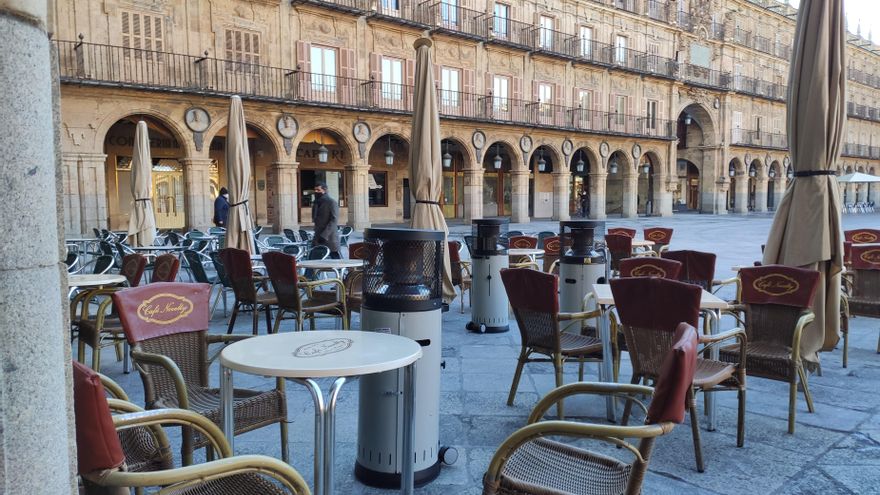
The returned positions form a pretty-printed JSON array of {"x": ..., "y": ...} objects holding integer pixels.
[
  {"x": 581, "y": 370},
  {"x": 627, "y": 408},
  {"x": 878, "y": 344},
  {"x": 268, "y": 310},
  {"x": 96, "y": 357},
  {"x": 844, "y": 328},
  {"x": 792, "y": 404},
  {"x": 118, "y": 347},
  {"x": 278, "y": 318},
  {"x": 741, "y": 418},
  {"x": 285, "y": 455},
  {"x": 81, "y": 351},
  {"x": 186, "y": 449},
  {"x": 223, "y": 291},
  {"x": 461, "y": 294},
  {"x": 255, "y": 319},
  {"x": 523, "y": 355},
  {"x": 695, "y": 427},
  {"x": 557, "y": 366},
  {"x": 233, "y": 317},
  {"x": 807, "y": 394}
]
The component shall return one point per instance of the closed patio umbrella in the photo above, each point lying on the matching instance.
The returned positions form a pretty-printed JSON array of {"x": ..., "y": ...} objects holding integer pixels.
[
  {"x": 424, "y": 157},
  {"x": 806, "y": 231},
  {"x": 142, "y": 221},
  {"x": 239, "y": 227}
]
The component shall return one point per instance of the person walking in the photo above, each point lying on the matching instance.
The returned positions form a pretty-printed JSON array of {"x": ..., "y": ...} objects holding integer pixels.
[
  {"x": 325, "y": 216},
  {"x": 221, "y": 208},
  {"x": 585, "y": 203}
]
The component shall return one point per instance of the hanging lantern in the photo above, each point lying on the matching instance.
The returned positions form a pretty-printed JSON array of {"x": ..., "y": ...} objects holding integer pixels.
[
  {"x": 752, "y": 172},
  {"x": 323, "y": 152},
  {"x": 447, "y": 158},
  {"x": 772, "y": 173},
  {"x": 579, "y": 166},
  {"x": 497, "y": 161},
  {"x": 646, "y": 168},
  {"x": 389, "y": 155},
  {"x": 731, "y": 171},
  {"x": 790, "y": 173},
  {"x": 542, "y": 164},
  {"x": 613, "y": 167},
  {"x": 687, "y": 119}
]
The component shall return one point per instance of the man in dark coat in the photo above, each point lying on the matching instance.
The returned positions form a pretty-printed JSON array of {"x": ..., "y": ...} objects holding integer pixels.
[
  {"x": 325, "y": 216},
  {"x": 221, "y": 208}
]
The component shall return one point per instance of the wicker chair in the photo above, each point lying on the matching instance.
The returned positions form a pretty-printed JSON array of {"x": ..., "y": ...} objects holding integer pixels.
[
  {"x": 533, "y": 296},
  {"x": 461, "y": 271},
  {"x": 294, "y": 294},
  {"x": 661, "y": 237},
  {"x": 631, "y": 233},
  {"x": 522, "y": 242},
  {"x": 697, "y": 268},
  {"x": 237, "y": 264},
  {"x": 648, "y": 311},
  {"x": 108, "y": 465},
  {"x": 529, "y": 463},
  {"x": 165, "y": 268},
  {"x": 620, "y": 247},
  {"x": 862, "y": 236},
  {"x": 361, "y": 251},
  {"x": 649, "y": 267},
  {"x": 166, "y": 325},
  {"x": 774, "y": 311},
  {"x": 552, "y": 252},
  {"x": 863, "y": 288}
]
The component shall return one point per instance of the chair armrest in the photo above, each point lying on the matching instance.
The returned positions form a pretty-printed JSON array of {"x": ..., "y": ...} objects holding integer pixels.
[
  {"x": 182, "y": 417},
  {"x": 806, "y": 318},
  {"x": 114, "y": 389},
  {"x": 327, "y": 281},
  {"x": 581, "y": 315},
  {"x": 170, "y": 367},
  {"x": 124, "y": 406},
  {"x": 193, "y": 475},
  {"x": 583, "y": 388},
  {"x": 716, "y": 340}
]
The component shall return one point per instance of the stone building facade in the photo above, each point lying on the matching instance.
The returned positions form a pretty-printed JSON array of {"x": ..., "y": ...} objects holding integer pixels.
[{"x": 549, "y": 109}]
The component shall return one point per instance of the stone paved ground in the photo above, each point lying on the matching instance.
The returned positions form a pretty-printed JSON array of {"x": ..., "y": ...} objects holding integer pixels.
[{"x": 836, "y": 450}]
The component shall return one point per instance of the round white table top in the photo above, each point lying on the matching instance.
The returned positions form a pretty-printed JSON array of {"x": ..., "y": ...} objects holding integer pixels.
[
  {"x": 330, "y": 264},
  {"x": 642, "y": 243},
  {"x": 524, "y": 252},
  {"x": 320, "y": 353},
  {"x": 92, "y": 280}
]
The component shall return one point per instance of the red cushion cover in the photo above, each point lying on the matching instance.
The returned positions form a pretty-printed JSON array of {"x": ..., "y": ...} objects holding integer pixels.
[
  {"x": 676, "y": 377},
  {"x": 778, "y": 284},
  {"x": 696, "y": 266},
  {"x": 650, "y": 267},
  {"x": 659, "y": 235},
  {"x": 97, "y": 444},
  {"x": 165, "y": 269},
  {"x": 531, "y": 290},
  {"x": 865, "y": 257},
  {"x": 631, "y": 233},
  {"x": 133, "y": 266},
  {"x": 656, "y": 303},
  {"x": 619, "y": 243},
  {"x": 523, "y": 242},
  {"x": 163, "y": 308},
  {"x": 362, "y": 251},
  {"x": 862, "y": 236},
  {"x": 552, "y": 246}
]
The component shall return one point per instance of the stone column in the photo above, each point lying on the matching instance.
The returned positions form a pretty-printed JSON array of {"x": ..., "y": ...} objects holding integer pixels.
[
  {"x": 519, "y": 196},
  {"x": 70, "y": 195},
  {"x": 760, "y": 194},
  {"x": 561, "y": 195},
  {"x": 663, "y": 189},
  {"x": 281, "y": 179},
  {"x": 597, "y": 195},
  {"x": 36, "y": 414},
  {"x": 779, "y": 192},
  {"x": 722, "y": 186},
  {"x": 473, "y": 194},
  {"x": 358, "y": 195},
  {"x": 197, "y": 192},
  {"x": 630, "y": 207},
  {"x": 92, "y": 184},
  {"x": 741, "y": 202}
]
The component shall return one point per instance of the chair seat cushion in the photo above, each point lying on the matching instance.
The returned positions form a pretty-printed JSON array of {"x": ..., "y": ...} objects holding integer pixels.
[
  {"x": 864, "y": 307},
  {"x": 238, "y": 484},
  {"x": 710, "y": 373},
  {"x": 267, "y": 298},
  {"x": 764, "y": 359},
  {"x": 548, "y": 467}
]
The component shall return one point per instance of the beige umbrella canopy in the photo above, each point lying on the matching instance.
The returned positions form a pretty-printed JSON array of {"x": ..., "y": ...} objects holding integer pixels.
[
  {"x": 806, "y": 231},
  {"x": 142, "y": 221},
  {"x": 239, "y": 230},
  {"x": 424, "y": 157}
]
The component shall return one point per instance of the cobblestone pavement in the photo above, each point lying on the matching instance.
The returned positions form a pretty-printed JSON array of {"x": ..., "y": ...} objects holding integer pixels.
[{"x": 835, "y": 450}]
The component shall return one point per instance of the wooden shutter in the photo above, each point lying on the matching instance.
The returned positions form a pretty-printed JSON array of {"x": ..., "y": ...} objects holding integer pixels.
[
  {"x": 468, "y": 81},
  {"x": 410, "y": 78},
  {"x": 516, "y": 90},
  {"x": 438, "y": 76},
  {"x": 126, "y": 32},
  {"x": 489, "y": 81},
  {"x": 536, "y": 95},
  {"x": 158, "y": 34},
  {"x": 303, "y": 56},
  {"x": 348, "y": 71},
  {"x": 136, "y": 30}
]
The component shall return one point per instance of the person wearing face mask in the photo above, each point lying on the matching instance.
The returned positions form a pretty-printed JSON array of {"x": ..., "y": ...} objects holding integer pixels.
[
  {"x": 325, "y": 216},
  {"x": 221, "y": 208}
]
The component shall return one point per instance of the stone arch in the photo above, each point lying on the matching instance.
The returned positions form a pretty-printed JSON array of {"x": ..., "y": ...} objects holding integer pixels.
[
  {"x": 266, "y": 130},
  {"x": 379, "y": 131},
  {"x": 704, "y": 118},
  {"x": 498, "y": 184},
  {"x": 624, "y": 162},
  {"x": 181, "y": 134},
  {"x": 590, "y": 155},
  {"x": 618, "y": 182},
  {"x": 516, "y": 158},
  {"x": 463, "y": 148},
  {"x": 650, "y": 185},
  {"x": 342, "y": 134}
]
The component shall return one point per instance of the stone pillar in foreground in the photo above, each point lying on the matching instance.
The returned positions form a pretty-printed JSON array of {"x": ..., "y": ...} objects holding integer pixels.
[
  {"x": 761, "y": 194},
  {"x": 197, "y": 190},
  {"x": 35, "y": 414},
  {"x": 597, "y": 195},
  {"x": 630, "y": 206},
  {"x": 741, "y": 202},
  {"x": 473, "y": 194},
  {"x": 561, "y": 195},
  {"x": 281, "y": 177},
  {"x": 519, "y": 196},
  {"x": 358, "y": 195}
]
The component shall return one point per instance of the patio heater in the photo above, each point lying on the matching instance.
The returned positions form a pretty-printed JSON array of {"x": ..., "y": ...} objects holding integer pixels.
[
  {"x": 583, "y": 262},
  {"x": 402, "y": 295},
  {"x": 488, "y": 245}
]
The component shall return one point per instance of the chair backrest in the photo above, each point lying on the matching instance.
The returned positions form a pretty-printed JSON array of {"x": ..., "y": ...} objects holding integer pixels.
[
  {"x": 514, "y": 233},
  {"x": 676, "y": 377},
  {"x": 165, "y": 268},
  {"x": 360, "y": 251},
  {"x": 290, "y": 234},
  {"x": 319, "y": 253},
  {"x": 865, "y": 291},
  {"x": 196, "y": 267},
  {"x": 523, "y": 242},
  {"x": 775, "y": 297},
  {"x": 281, "y": 269},
  {"x": 631, "y": 233},
  {"x": 543, "y": 235},
  {"x": 239, "y": 271},
  {"x": 102, "y": 265},
  {"x": 552, "y": 246},
  {"x": 98, "y": 447},
  {"x": 661, "y": 236},
  {"x": 107, "y": 248},
  {"x": 70, "y": 260},
  {"x": 862, "y": 236},
  {"x": 454, "y": 261},
  {"x": 274, "y": 240},
  {"x": 533, "y": 297},
  {"x": 220, "y": 269},
  {"x": 620, "y": 247},
  {"x": 865, "y": 257},
  {"x": 304, "y": 235},
  {"x": 650, "y": 267},
  {"x": 696, "y": 267},
  {"x": 133, "y": 266},
  {"x": 294, "y": 251}
]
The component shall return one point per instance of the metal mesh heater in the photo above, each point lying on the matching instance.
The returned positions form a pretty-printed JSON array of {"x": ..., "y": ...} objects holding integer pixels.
[
  {"x": 488, "y": 237},
  {"x": 583, "y": 262},
  {"x": 488, "y": 245},
  {"x": 406, "y": 272},
  {"x": 582, "y": 239}
]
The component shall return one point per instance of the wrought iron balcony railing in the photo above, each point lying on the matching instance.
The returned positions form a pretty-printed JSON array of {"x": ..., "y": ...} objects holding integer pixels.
[
  {"x": 854, "y": 150},
  {"x": 505, "y": 31},
  {"x": 641, "y": 62},
  {"x": 401, "y": 11},
  {"x": 658, "y": 10},
  {"x": 757, "y": 87},
  {"x": 351, "y": 6},
  {"x": 452, "y": 19},
  {"x": 759, "y": 139},
  {"x": 863, "y": 112},
  {"x": 863, "y": 77},
  {"x": 702, "y": 76},
  {"x": 633, "y": 6}
]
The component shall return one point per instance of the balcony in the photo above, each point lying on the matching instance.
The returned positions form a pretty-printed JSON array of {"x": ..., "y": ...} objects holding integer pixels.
[
  {"x": 759, "y": 139},
  {"x": 757, "y": 87},
  {"x": 854, "y": 150},
  {"x": 658, "y": 10},
  {"x": 398, "y": 11},
  {"x": 702, "y": 76},
  {"x": 628, "y": 5},
  {"x": 452, "y": 19},
  {"x": 685, "y": 21},
  {"x": 641, "y": 62},
  {"x": 594, "y": 52},
  {"x": 557, "y": 43},
  {"x": 509, "y": 32},
  {"x": 351, "y": 6},
  {"x": 115, "y": 66},
  {"x": 863, "y": 112},
  {"x": 863, "y": 78}
]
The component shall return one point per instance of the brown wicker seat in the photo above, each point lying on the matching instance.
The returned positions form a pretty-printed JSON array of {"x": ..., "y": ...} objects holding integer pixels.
[
  {"x": 105, "y": 463},
  {"x": 298, "y": 299},
  {"x": 461, "y": 271},
  {"x": 863, "y": 287},
  {"x": 533, "y": 296},
  {"x": 649, "y": 310},
  {"x": 165, "y": 268},
  {"x": 166, "y": 325},
  {"x": 774, "y": 311},
  {"x": 239, "y": 270},
  {"x": 661, "y": 238},
  {"x": 527, "y": 464}
]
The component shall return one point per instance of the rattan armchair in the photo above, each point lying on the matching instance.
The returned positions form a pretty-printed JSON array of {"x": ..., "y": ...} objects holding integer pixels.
[
  {"x": 775, "y": 309},
  {"x": 533, "y": 297},
  {"x": 239, "y": 272},
  {"x": 620, "y": 247},
  {"x": 552, "y": 252},
  {"x": 296, "y": 296},
  {"x": 108, "y": 465},
  {"x": 862, "y": 288},
  {"x": 529, "y": 463},
  {"x": 166, "y": 325},
  {"x": 648, "y": 312},
  {"x": 661, "y": 238},
  {"x": 165, "y": 268},
  {"x": 644, "y": 266},
  {"x": 461, "y": 271}
]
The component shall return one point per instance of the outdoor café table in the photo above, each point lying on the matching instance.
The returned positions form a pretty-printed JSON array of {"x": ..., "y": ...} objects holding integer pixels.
[
  {"x": 157, "y": 249},
  {"x": 305, "y": 356},
  {"x": 531, "y": 253},
  {"x": 336, "y": 266},
  {"x": 710, "y": 304},
  {"x": 81, "y": 281}
]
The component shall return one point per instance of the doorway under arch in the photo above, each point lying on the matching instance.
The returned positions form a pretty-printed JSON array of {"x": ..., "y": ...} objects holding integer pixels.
[
  {"x": 453, "y": 161},
  {"x": 497, "y": 188},
  {"x": 388, "y": 159},
  {"x": 583, "y": 162},
  {"x": 646, "y": 169},
  {"x": 541, "y": 166},
  {"x": 323, "y": 155},
  {"x": 687, "y": 196},
  {"x": 618, "y": 172},
  {"x": 695, "y": 131}
]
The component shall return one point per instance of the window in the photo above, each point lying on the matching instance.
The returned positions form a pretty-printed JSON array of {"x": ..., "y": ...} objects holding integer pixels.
[
  {"x": 242, "y": 47},
  {"x": 391, "y": 7},
  {"x": 142, "y": 32},
  {"x": 500, "y": 92},
  {"x": 333, "y": 179},
  {"x": 619, "y": 109},
  {"x": 545, "y": 96},
  {"x": 653, "y": 57},
  {"x": 586, "y": 37},
  {"x": 323, "y": 61},
  {"x": 585, "y": 99},
  {"x": 501, "y": 21},
  {"x": 378, "y": 187},
  {"x": 758, "y": 126},
  {"x": 620, "y": 49},
  {"x": 449, "y": 13},
  {"x": 546, "y": 32},
  {"x": 449, "y": 87},
  {"x": 737, "y": 127},
  {"x": 392, "y": 78},
  {"x": 651, "y": 115}
]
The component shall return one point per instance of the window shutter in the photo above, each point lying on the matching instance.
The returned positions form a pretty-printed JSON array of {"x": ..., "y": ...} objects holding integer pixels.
[
  {"x": 558, "y": 97},
  {"x": 255, "y": 43},
  {"x": 126, "y": 30},
  {"x": 303, "y": 55},
  {"x": 467, "y": 78},
  {"x": 348, "y": 71},
  {"x": 535, "y": 94},
  {"x": 375, "y": 66},
  {"x": 158, "y": 38},
  {"x": 136, "y": 30},
  {"x": 516, "y": 92},
  {"x": 438, "y": 76},
  {"x": 410, "y": 72},
  {"x": 489, "y": 81}
]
